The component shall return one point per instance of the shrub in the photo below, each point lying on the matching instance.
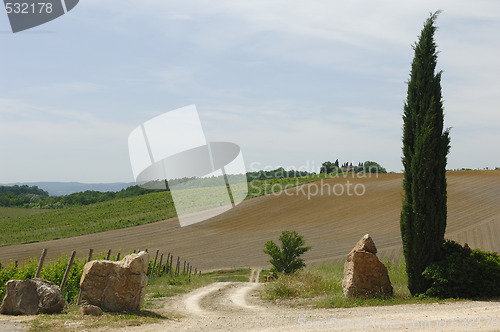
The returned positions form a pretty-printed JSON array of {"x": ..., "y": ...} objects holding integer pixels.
[
  {"x": 464, "y": 273},
  {"x": 286, "y": 260}
]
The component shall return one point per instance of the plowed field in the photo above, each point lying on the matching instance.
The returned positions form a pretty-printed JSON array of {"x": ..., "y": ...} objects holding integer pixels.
[{"x": 332, "y": 215}]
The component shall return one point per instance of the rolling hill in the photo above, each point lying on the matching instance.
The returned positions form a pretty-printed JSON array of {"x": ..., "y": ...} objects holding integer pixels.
[{"x": 331, "y": 223}]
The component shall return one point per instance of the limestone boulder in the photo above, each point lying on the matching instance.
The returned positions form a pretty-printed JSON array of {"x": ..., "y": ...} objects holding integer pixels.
[
  {"x": 31, "y": 297},
  {"x": 364, "y": 274},
  {"x": 116, "y": 286}
]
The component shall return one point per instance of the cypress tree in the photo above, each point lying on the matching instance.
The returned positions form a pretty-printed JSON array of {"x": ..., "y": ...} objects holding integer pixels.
[{"x": 425, "y": 150}]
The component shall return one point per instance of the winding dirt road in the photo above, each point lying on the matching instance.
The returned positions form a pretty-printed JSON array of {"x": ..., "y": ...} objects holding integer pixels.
[{"x": 235, "y": 306}]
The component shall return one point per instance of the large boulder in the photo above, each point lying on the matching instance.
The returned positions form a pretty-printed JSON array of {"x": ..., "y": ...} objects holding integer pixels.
[
  {"x": 364, "y": 274},
  {"x": 31, "y": 297},
  {"x": 116, "y": 286}
]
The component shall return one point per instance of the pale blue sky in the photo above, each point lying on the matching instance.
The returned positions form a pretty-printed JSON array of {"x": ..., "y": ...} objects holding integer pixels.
[{"x": 294, "y": 83}]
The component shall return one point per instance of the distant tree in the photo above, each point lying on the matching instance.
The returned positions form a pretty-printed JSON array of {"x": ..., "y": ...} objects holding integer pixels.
[
  {"x": 425, "y": 150},
  {"x": 372, "y": 167},
  {"x": 327, "y": 167},
  {"x": 286, "y": 259}
]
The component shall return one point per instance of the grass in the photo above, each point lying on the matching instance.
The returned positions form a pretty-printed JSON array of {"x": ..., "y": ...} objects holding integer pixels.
[
  {"x": 321, "y": 287},
  {"x": 20, "y": 225},
  {"x": 71, "y": 320},
  {"x": 55, "y": 224},
  {"x": 12, "y": 212}
]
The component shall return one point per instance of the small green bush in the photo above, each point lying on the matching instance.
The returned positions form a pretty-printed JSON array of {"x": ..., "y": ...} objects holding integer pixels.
[
  {"x": 464, "y": 273},
  {"x": 287, "y": 258}
]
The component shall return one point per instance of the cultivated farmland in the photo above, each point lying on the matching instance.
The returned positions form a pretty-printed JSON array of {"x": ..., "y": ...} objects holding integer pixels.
[{"x": 331, "y": 223}]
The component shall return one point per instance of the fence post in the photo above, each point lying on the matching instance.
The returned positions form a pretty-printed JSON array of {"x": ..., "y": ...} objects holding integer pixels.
[
  {"x": 166, "y": 263},
  {"x": 159, "y": 266},
  {"x": 154, "y": 264},
  {"x": 184, "y": 269},
  {"x": 66, "y": 274},
  {"x": 40, "y": 263},
  {"x": 170, "y": 269},
  {"x": 178, "y": 266},
  {"x": 118, "y": 257},
  {"x": 91, "y": 251},
  {"x": 190, "y": 268},
  {"x": 109, "y": 255}
]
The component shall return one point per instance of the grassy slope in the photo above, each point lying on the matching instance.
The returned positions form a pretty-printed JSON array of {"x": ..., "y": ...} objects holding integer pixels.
[
  {"x": 33, "y": 225},
  {"x": 54, "y": 224}
]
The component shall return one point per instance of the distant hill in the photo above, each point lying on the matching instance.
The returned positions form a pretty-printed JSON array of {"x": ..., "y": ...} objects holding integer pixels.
[{"x": 65, "y": 188}]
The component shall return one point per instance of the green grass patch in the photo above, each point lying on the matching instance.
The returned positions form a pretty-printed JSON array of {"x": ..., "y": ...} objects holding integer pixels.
[
  {"x": 321, "y": 286},
  {"x": 232, "y": 275},
  {"x": 13, "y": 212},
  {"x": 55, "y": 224}
]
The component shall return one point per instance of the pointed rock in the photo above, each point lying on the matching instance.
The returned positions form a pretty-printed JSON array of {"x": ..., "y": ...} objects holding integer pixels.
[{"x": 364, "y": 274}]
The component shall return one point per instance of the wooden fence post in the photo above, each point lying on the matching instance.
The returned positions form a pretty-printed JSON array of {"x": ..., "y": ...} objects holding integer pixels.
[
  {"x": 184, "y": 269},
  {"x": 166, "y": 264},
  {"x": 91, "y": 251},
  {"x": 66, "y": 274},
  {"x": 170, "y": 268},
  {"x": 118, "y": 257},
  {"x": 159, "y": 266},
  {"x": 154, "y": 264},
  {"x": 109, "y": 255},
  {"x": 178, "y": 266},
  {"x": 40, "y": 263}
]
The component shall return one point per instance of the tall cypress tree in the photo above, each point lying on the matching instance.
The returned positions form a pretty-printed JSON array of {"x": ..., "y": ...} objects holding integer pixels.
[{"x": 425, "y": 150}]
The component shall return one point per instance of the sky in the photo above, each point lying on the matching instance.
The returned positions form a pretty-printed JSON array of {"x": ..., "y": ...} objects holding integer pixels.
[{"x": 293, "y": 83}]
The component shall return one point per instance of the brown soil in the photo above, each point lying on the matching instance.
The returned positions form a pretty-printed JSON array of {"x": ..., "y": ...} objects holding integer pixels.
[{"x": 331, "y": 224}]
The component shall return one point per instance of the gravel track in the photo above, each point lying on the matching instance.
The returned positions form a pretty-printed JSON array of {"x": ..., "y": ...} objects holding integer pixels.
[{"x": 235, "y": 306}]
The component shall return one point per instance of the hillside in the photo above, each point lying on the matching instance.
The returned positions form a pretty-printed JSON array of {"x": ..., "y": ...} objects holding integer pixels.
[{"x": 331, "y": 224}]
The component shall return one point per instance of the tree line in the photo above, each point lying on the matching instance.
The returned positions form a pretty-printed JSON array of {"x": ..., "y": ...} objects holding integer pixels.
[
  {"x": 329, "y": 167},
  {"x": 33, "y": 197}
]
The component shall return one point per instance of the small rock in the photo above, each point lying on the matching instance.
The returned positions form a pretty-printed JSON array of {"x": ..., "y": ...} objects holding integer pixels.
[{"x": 89, "y": 309}]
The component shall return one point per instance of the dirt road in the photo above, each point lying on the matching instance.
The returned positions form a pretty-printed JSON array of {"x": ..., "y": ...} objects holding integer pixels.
[{"x": 234, "y": 306}]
